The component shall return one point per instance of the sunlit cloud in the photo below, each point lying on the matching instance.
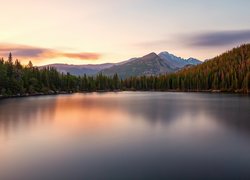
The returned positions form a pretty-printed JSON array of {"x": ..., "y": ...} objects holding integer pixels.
[
  {"x": 211, "y": 39},
  {"x": 88, "y": 56},
  {"x": 219, "y": 38},
  {"x": 200, "y": 44},
  {"x": 24, "y": 51}
]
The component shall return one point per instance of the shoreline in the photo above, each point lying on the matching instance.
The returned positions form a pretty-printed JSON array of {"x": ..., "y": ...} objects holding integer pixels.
[
  {"x": 129, "y": 90},
  {"x": 33, "y": 95}
]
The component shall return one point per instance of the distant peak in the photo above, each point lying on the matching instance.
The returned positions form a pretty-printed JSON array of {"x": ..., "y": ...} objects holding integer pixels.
[
  {"x": 191, "y": 58},
  {"x": 165, "y": 52},
  {"x": 151, "y": 55},
  {"x": 168, "y": 55},
  {"x": 193, "y": 61}
]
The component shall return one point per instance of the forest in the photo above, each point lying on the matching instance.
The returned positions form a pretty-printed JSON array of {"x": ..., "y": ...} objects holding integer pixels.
[{"x": 229, "y": 72}]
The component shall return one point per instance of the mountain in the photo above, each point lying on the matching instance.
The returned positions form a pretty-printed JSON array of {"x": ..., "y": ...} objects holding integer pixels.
[
  {"x": 79, "y": 70},
  {"x": 228, "y": 72},
  {"x": 193, "y": 61},
  {"x": 178, "y": 62},
  {"x": 151, "y": 64}
]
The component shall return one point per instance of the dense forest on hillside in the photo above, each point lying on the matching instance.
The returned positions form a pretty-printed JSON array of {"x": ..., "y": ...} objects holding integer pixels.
[{"x": 229, "y": 72}]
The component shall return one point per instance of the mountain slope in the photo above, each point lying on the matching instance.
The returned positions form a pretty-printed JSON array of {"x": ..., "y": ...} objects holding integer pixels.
[
  {"x": 150, "y": 64},
  {"x": 79, "y": 70},
  {"x": 177, "y": 62},
  {"x": 229, "y": 72},
  {"x": 193, "y": 61}
]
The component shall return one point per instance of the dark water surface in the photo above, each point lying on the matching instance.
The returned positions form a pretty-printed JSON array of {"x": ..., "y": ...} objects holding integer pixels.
[{"x": 128, "y": 135}]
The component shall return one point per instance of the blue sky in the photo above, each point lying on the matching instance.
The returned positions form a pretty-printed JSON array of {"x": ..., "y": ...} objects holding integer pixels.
[{"x": 97, "y": 31}]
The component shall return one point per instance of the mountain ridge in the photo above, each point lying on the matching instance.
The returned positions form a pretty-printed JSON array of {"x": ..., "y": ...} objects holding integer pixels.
[{"x": 149, "y": 64}]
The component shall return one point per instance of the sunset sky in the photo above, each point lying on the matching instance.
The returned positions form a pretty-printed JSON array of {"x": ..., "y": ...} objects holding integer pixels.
[{"x": 98, "y": 31}]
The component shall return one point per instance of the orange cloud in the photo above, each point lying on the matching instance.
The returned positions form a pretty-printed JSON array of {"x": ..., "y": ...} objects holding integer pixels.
[
  {"x": 24, "y": 51},
  {"x": 83, "y": 55}
]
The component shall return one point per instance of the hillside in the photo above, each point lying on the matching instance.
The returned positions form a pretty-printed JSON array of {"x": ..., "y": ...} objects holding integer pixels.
[
  {"x": 150, "y": 64},
  {"x": 228, "y": 72}
]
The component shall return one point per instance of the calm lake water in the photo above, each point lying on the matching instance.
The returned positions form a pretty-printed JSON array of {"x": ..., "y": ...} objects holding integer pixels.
[{"x": 127, "y": 135}]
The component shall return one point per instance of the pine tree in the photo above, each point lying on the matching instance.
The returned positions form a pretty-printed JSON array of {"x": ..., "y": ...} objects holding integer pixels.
[{"x": 10, "y": 59}]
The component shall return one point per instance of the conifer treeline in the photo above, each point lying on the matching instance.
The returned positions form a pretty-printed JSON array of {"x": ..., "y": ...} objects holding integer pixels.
[
  {"x": 228, "y": 72},
  {"x": 16, "y": 79}
]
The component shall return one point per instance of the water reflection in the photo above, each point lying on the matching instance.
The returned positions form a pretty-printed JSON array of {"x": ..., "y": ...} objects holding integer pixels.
[
  {"x": 18, "y": 114},
  {"x": 133, "y": 135}
]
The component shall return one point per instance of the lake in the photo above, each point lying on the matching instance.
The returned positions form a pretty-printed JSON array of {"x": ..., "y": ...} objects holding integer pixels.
[{"x": 125, "y": 135}]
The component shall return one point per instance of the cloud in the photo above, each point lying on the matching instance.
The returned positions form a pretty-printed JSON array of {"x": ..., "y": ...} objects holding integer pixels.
[
  {"x": 219, "y": 38},
  {"x": 205, "y": 40},
  {"x": 24, "y": 51},
  {"x": 87, "y": 56}
]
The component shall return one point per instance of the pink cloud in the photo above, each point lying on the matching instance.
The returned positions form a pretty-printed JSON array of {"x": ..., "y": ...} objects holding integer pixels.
[{"x": 24, "y": 51}]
